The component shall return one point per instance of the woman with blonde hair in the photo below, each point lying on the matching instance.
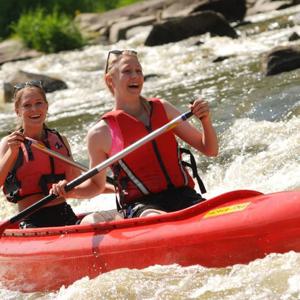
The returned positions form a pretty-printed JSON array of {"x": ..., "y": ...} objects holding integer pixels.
[{"x": 153, "y": 177}]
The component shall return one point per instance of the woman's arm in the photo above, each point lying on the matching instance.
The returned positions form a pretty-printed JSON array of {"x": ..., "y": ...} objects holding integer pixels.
[
  {"x": 9, "y": 149},
  {"x": 99, "y": 143},
  {"x": 204, "y": 141},
  {"x": 74, "y": 172}
]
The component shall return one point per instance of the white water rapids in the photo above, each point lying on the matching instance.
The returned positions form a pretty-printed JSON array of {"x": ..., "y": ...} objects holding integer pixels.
[{"x": 258, "y": 124}]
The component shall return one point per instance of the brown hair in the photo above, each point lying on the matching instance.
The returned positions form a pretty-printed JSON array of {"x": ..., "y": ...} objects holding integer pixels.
[{"x": 19, "y": 93}]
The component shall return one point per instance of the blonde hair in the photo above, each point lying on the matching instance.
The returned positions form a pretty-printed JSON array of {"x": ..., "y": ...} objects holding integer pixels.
[{"x": 113, "y": 57}]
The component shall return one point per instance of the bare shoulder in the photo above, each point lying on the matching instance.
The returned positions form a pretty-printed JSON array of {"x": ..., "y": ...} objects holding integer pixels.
[
  {"x": 99, "y": 136},
  {"x": 100, "y": 129}
]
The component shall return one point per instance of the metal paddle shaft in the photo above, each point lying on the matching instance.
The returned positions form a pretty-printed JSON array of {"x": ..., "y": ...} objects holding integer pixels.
[
  {"x": 127, "y": 150},
  {"x": 43, "y": 148},
  {"x": 36, "y": 144},
  {"x": 77, "y": 181}
]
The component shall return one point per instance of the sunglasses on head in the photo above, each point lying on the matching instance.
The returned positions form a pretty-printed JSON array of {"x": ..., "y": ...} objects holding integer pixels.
[
  {"x": 31, "y": 83},
  {"x": 117, "y": 52}
]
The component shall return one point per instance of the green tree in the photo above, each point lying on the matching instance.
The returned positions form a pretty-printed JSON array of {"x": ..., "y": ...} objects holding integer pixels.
[
  {"x": 48, "y": 32},
  {"x": 11, "y": 10}
]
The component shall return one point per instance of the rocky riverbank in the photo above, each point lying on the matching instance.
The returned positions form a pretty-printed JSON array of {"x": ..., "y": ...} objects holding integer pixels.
[{"x": 165, "y": 21}]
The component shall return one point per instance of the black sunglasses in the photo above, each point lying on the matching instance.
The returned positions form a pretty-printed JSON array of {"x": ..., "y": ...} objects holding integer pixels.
[
  {"x": 117, "y": 52},
  {"x": 31, "y": 83}
]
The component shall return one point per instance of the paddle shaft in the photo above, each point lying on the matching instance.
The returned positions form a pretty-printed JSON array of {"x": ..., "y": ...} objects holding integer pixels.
[
  {"x": 46, "y": 150},
  {"x": 92, "y": 172},
  {"x": 71, "y": 162}
]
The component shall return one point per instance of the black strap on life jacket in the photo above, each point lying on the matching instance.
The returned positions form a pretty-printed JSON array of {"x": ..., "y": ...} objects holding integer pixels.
[
  {"x": 157, "y": 153},
  {"x": 120, "y": 186},
  {"x": 192, "y": 164},
  {"x": 47, "y": 179},
  {"x": 12, "y": 185}
]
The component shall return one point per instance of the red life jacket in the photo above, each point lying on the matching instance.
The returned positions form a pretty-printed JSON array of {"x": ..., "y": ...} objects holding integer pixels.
[
  {"x": 35, "y": 171},
  {"x": 155, "y": 166}
]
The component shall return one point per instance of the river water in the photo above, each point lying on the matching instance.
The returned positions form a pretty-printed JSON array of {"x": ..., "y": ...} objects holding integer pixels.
[{"x": 258, "y": 123}]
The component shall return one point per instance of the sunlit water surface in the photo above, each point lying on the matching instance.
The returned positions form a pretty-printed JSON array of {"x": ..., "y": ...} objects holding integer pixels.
[{"x": 257, "y": 120}]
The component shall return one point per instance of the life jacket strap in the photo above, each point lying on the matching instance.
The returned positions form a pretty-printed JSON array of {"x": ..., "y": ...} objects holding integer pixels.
[
  {"x": 192, "y": 164},
  {"x": 48, "y": 179}
]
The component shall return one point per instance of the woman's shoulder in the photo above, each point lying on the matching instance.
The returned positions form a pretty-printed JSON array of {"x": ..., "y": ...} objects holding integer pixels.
[
  {"x": 98, "y": 130},
  {"x": 99, "y": 137}
]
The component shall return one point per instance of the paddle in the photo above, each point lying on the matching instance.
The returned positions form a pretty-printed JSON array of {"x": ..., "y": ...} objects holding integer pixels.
[
  {"x": 90, "y": 173},
  {"x": 40, "y": 146},
  {"x": 43, "y": 148}
]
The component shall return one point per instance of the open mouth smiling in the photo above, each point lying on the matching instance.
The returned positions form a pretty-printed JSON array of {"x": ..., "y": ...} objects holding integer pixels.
[
  {"x": 34, "y": 117},
  {"x": 133, "y": 85}
]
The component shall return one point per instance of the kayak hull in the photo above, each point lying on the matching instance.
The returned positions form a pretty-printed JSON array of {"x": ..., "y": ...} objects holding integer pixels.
[{"x": 233, "y": 228}]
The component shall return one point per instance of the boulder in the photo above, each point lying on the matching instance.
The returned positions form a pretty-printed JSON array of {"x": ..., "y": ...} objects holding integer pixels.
[
  {"x": 294, "y": 37},
  {"x": 13, "y": 50},
  {"x": 232, "y": 10},
  {"x": 113, "y": 25},
  {"x": 138, "y": 30},
  {"x": 181, "y": 28},
  {"x": 50, "y": 84},
  {"x": 92, "y": 23},
  {"x": 262, "y": 6},
  {"x": 281, "y": 59},
  {"x": 184, "y": 8},
  {"x": 118, "y": 30}
]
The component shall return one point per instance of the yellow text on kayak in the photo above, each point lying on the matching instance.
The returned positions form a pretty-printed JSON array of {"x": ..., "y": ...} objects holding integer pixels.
[{"x": 226, "y": 210}]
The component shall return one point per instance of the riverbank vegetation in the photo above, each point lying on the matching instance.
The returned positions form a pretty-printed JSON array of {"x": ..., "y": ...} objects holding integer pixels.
[
  {"x": 48, "y": 33},
  {"x": 47, "y": 25}
]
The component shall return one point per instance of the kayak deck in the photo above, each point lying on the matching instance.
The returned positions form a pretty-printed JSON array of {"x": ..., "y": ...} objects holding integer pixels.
[{"x": 236, "y": 227}]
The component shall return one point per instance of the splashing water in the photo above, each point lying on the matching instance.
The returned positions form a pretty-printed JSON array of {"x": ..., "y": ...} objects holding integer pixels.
[{"x": 257, "y": 120}]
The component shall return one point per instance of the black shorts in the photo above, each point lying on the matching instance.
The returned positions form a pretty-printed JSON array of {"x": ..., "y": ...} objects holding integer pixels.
[
  {"x": 169, "y": 201},
  {"x": 50, "y": 216}
]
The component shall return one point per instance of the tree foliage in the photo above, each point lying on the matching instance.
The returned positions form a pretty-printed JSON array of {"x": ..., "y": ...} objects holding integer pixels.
[
  {"x": 11, "y": 10},
  {"x": 48, "y": 33}
]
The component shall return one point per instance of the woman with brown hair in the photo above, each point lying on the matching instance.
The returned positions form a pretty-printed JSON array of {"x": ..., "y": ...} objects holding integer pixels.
[{"x": 26, "y": 173}]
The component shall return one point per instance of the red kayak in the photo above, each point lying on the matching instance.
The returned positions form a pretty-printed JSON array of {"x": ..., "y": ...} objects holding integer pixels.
[{"x": 235, "y": 227}]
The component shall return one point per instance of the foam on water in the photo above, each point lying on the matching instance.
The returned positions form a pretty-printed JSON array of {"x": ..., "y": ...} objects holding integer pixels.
[
  {"x": 258, "y": 123},
  {"x": 273, "y": 277},
  {"x": 261, "y": 155}
]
